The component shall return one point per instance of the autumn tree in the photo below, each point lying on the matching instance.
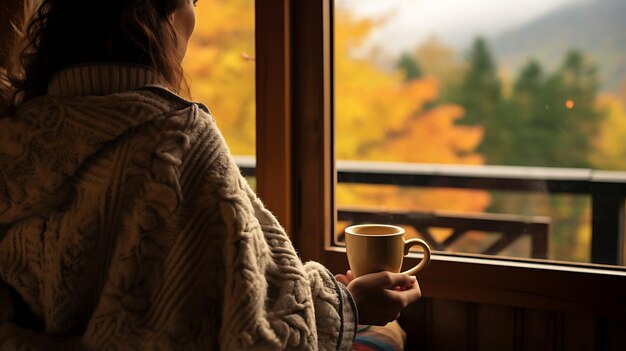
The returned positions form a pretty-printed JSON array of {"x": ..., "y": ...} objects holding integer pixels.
[{"x": 385, "y": 116}]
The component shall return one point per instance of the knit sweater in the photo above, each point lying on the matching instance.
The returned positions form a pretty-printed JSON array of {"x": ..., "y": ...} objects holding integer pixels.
[{"x": 126, "y": 225}]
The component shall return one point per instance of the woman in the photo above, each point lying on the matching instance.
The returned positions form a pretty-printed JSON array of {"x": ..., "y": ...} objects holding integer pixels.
[{"x": 124, "y": 222}]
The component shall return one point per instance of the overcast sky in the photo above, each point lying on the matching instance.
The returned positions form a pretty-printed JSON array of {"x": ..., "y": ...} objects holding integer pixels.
[{"x": 455, "y": 22}]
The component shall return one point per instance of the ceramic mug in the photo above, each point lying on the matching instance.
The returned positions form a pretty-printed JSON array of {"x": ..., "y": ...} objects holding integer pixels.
[{"x": 380, "y": 247}]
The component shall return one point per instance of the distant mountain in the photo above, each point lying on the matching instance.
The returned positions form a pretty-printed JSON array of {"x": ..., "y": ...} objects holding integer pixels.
[{"x": 597, "y": 27}]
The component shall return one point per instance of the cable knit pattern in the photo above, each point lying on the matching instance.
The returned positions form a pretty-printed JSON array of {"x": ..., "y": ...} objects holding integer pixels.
[{"x": 125, "y": 224}]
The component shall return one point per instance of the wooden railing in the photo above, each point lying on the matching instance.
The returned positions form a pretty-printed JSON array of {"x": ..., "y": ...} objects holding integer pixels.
[
  {"x": 607, "y": 190},
  {"x": 511, "y": 227}
]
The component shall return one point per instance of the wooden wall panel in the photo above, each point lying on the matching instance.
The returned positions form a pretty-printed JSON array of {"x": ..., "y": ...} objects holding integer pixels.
[
  {"x": 438, "y": 324},
  {"x": 495, "y": 327},
  {"x": 616, "y": 334},
  {"x": 540, "y": 330},
  {"x": 579, "y": 331},
  {"x": 451, "y": 325},
  {"x": 416, "y": 321}
]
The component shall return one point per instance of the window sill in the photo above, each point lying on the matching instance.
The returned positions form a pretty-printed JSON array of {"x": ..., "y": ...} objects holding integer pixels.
[{"x": 560, "y": 287}]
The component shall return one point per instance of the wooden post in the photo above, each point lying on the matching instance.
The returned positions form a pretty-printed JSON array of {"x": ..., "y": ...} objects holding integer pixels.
[
  {"x": 607, "y": 227},
  {"x": 273, "y": 108},
  {"x": 312, "y": 130}
]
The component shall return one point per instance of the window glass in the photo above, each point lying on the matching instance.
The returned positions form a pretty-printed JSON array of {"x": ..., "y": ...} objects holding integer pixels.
[
  {"x": 484, "y": 127},
  {"x": 220, "y": 69}
]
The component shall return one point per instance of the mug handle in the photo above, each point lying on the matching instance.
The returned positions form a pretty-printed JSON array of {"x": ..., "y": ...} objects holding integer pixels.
[{"x": 425, "y": 259}]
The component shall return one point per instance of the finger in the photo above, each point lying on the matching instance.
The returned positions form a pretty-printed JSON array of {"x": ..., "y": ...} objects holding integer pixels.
[
  {"x": 350, "y": 275},
  {"x": 342, "y": 279},
  {"x": 409, "y": 286},
  {"x": 395, "y": 279},
  {"x": 409, "y": 295}
]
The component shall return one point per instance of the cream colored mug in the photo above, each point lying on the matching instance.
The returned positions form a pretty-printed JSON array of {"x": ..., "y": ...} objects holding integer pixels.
[{"x": 380, "y": 247}]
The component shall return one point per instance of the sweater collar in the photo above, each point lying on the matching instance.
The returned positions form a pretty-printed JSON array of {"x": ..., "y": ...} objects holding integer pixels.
[{"x": 100, "y": 79}]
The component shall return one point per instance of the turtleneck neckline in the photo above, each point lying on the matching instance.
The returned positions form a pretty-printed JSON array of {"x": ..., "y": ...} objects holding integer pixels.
[{"x": 100, "y": 79}]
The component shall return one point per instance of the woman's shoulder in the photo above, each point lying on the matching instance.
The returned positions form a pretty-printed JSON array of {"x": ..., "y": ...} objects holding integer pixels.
[
  {"x": 166, "y": 94},
  {"x": 199, "y": 127}
]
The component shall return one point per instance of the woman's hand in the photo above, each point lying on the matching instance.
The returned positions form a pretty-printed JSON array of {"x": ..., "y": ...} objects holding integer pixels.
[{"x": 380, "y": 297}]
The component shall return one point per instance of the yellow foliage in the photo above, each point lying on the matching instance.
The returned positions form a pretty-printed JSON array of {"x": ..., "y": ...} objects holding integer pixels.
[
  {"x": 219, "y": 71},
  {"x": 610, "y": 149},
  {"x": 381, "y": 117},
  {"x": 440, "y": 61},
  {"x": 370, "y": 102},
  {"x": 391, "y": 197}
]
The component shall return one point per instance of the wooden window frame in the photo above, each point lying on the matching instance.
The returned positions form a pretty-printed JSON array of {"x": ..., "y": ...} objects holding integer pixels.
[
  {"x": 294, "y": 165},
  {"x": 273, "y": 108},
  {"x": 296, "y": 177}
]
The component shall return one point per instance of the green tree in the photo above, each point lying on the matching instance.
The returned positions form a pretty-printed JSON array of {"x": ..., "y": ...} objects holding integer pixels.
[
  {"x": 480, "y": 94},
  {"x": 569, "y": 119},
  {"x": 524, "y": 108},
  {"x": 409, "y": 66},
  {"x": 481, "y": 90},
  {"x": 551, "y": 120},
  {"x": 529, "y": 81}
]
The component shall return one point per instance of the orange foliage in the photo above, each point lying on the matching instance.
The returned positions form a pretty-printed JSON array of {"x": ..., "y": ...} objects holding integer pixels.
[{"x": 432, "y": 137}]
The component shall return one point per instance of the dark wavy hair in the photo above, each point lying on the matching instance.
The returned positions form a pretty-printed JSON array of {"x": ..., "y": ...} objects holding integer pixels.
[{"x": 60, "y": 33}]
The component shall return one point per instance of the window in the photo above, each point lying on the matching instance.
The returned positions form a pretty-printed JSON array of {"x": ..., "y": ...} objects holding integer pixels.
[
  {"x": 484, "y": 127},
  {"x": 296, "y": 177},
  {"x": 295, "y": 138}
]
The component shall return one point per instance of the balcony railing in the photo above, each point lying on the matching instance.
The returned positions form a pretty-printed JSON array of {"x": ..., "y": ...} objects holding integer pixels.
[
  {"x": 607, "y": 190},
  {"x": 511, "y": 227}
]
